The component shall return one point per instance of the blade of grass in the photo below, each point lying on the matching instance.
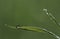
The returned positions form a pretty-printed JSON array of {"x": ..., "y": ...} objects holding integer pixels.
[
  {"x": 34, "y": 29},
  {"x": 51, "y": 17},
  {"x": 38, "y": 29},
  {"x": 29, "y": 28}
]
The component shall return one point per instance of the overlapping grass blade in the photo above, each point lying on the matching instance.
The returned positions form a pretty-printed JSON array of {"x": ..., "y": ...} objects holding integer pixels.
[{"x": 34, "y": 29}]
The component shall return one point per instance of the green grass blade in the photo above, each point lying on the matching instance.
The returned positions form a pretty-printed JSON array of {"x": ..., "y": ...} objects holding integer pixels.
[
  {"x": 51, "y": 17},
  {"x": 36, "y": 29},
  {"x": 30, "y": 28}
]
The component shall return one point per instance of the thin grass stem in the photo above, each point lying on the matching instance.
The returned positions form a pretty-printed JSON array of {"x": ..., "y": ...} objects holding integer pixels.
[{"x": 51, "y": 17}]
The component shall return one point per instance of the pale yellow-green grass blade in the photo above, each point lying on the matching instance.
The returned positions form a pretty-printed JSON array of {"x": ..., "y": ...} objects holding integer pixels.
[
  {"x": 36, "y": 29},
  {"x": 29, "y": 28}
]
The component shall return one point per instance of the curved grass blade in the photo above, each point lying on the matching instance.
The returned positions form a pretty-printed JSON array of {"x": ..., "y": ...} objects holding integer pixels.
[
  {"x": 36, "y": 29},
  {"x": 51, "y": 17}
]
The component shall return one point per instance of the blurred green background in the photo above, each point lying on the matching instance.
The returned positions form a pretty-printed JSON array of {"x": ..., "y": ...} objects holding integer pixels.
[{"x": 28, "y": 12}]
